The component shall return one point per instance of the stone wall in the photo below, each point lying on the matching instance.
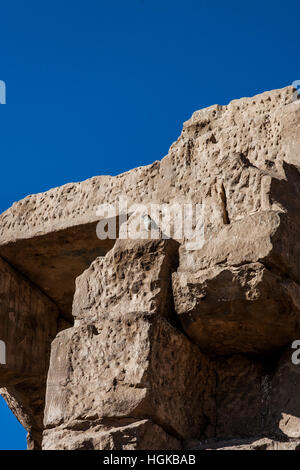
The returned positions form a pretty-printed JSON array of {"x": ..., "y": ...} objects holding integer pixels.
[
  {"x": 28, "y": 324},
  {"x": 154, "y": 344}
]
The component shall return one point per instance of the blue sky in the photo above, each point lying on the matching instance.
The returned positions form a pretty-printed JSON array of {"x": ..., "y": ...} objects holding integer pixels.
[{"x": 99, "y": 87}]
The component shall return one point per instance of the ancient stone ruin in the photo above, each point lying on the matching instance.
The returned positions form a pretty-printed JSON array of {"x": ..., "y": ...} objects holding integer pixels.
[{"x": 147, "y": 343}]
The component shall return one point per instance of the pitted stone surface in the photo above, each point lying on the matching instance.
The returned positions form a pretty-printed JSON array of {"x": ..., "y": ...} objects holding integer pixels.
[
  {"x": 135, "y": 276},
  {"x": 170, "y": 343},
  {"x": 125, "y": 362},
  {"x": 28, "y": 324}
]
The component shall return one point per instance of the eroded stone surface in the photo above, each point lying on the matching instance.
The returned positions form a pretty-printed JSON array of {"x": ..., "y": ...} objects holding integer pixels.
[
  {"x": 127, "y": 363},
  {"x": 28, "y": 324},
  {"x": 249, "y": 444},
  {"x": 138, "y": 435},
  {"x": 284, "y": 401},
  {"x": 135, "y": 276},
  {"x": 129, "y": 374},
  {"x": 126, "y": 367},
  {"x": 238, "y": 309}
]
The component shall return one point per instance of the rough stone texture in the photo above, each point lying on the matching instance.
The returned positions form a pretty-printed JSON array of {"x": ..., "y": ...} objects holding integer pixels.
[
  {"x": 263, "y": 129},
  {"x": 256, "y": 396},
  {"x": 135, "y": 276},
  {"x": 124, "y": 361},
  {"x": 170, "y": 344},
  {"x": 120, "y": 375},
  {"x": 137, "y": 435},
  {"x": 249, "y": 444},
  {"x": 284, "y": 399},
  {"x": 216, "y": 304},
  {"x": 28, "y": 323},
  {"x": 53, "y": 261}
]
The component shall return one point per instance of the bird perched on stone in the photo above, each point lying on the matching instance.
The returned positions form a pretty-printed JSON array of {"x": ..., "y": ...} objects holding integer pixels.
[{"x": 149, "y": 223}]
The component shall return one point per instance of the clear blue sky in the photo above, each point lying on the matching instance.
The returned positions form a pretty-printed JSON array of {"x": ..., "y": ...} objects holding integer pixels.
[{"x": 99, "y": 87}]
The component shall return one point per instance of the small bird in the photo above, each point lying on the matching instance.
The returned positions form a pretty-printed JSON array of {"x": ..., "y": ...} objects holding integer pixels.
[{"x": 149, "y": 223}]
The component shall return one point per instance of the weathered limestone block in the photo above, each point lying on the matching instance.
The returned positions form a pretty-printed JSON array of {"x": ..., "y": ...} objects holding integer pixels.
[
  {"x": 53, "y": 261},
  {"x": 284, "y": 399},
  {"x": 269, "y": 237},
  {"x": 254, "y": 443},
  {"x": 227, "y": 157},
  {"x": 255, "y": 396},
  {"x": 135, "y": 276},
  {"x": 268, "y": 234},
  {"x": 226, "y": 301},
  {"x": 137, "y": 435},
  {"x": 131, "y": 365},
  {"x": 26, "y": 400},
  {"x": 124, "y": 376},
  {"x": 288, "y": 118},
  {"x": 249, "y": 184},
  {"x": 118, "y": 363},
  {"x": 240, "y": 396},
  {"x": 74, "y": 204},
  {"x": 246, "y": 309},
  {"x": 237, "y": 145},
  {"x": 264, "y": 129},
  {"x": 28, "y": 324}
]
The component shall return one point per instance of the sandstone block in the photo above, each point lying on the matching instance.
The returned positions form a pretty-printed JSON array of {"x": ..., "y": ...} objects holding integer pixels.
[
  {"x": 255, "y": 443},
  {"x": 28, "y": 323},
  {"x": 242, "y": 309},
  {"x": 134, "y": 365},
  {"x": 135, "y": 276},
  {"x": 138, "y": 435},
  {"x": 284, "y": 399},
  {"x": 128, "y": 374}
]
